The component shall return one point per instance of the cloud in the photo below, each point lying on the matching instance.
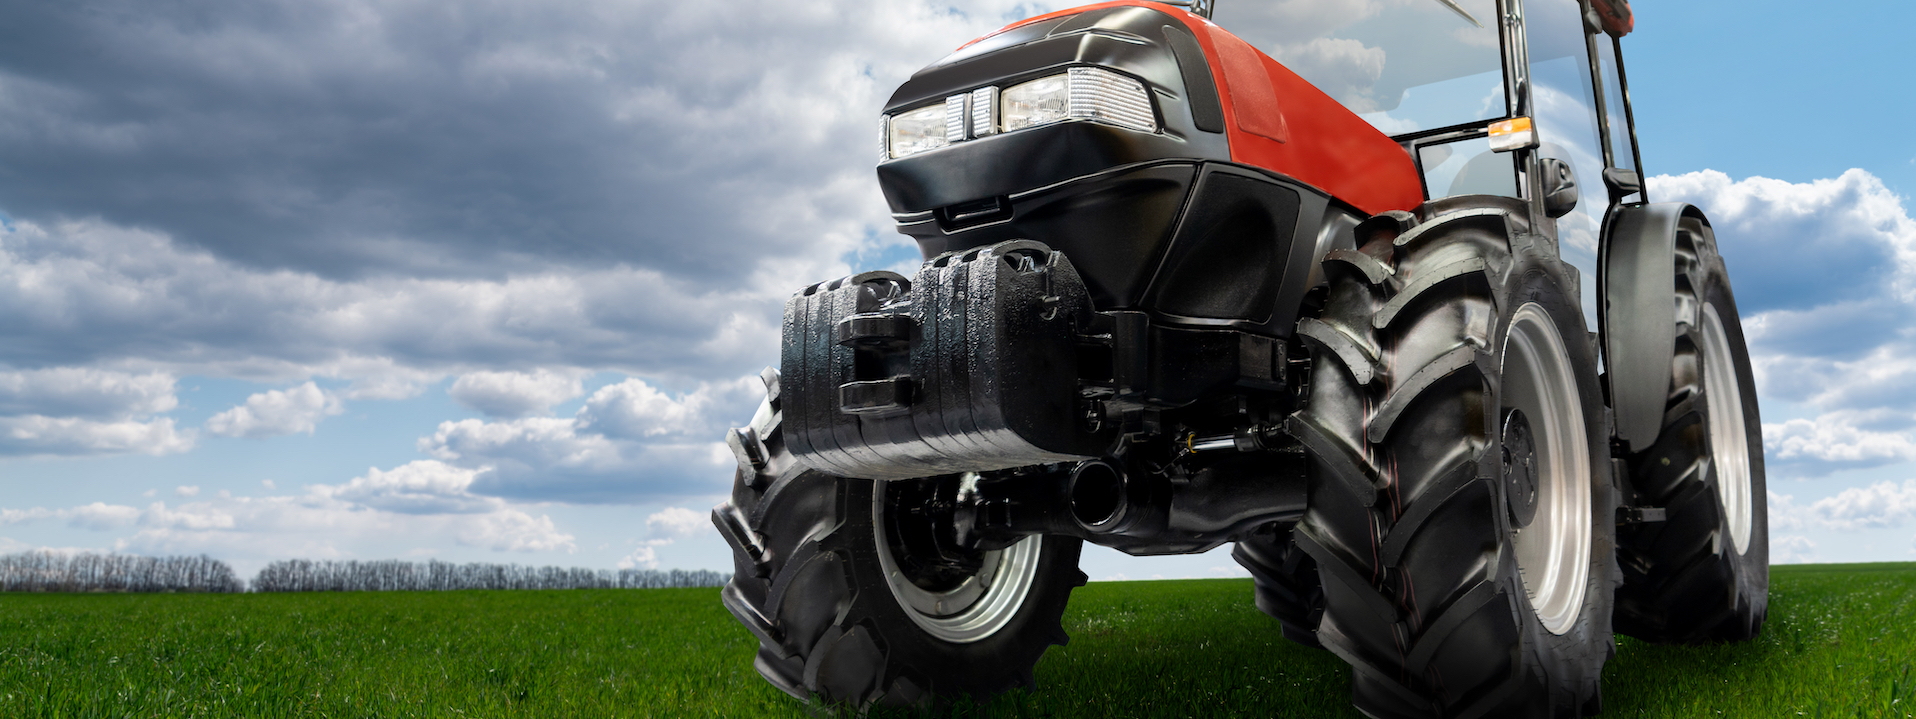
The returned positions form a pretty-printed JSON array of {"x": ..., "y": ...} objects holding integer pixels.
[
  {"x": 421, "y": 487},
  {"x": 86, "y": 393},
  {"x": 86, "y": 293},
  {"x": 69, "y": 411},
  {"x": 277, "y": 413},
  {"x": 419, "y": 503},
  {"x": 187, "y": 491},
  {"x": 1784, "y": 514},
  {"x": 676, "y": 522},
  {"x": 515, "y": 394},
  {"x": 516, "y": 531},
  {"x": 644, "y": 557},
  {"x": 1825, "y": 279},
  {"x": 1802, "y": 245},
  {"x": 1834, "y": 441},
  {"x": 630, "y": 442},
  {"x": 1880, "y": 505},
  {"x": 35, "y": 435},
  {"x": 370, "y": 137},
  {"x": 1792, "y": 549}
]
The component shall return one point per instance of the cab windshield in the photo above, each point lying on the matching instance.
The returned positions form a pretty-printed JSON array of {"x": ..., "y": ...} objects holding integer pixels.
[{"x": 1403, "y": 65}]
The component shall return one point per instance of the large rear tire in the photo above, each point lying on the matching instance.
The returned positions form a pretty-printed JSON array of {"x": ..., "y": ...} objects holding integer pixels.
[
  {"x": 849, "y": 614},
  {"x": 1702, "y": 574},
  {"x": 1466, "y": 550}
]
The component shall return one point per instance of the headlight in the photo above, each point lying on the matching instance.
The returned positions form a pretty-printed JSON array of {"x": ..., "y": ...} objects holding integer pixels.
[
  {"x": 1083, "y": 93},
  {"x": 913, "y": 132},
  {"x": 1041, "y": 101}
]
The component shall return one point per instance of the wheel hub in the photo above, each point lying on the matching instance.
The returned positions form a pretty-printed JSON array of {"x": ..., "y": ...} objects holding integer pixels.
[
  {"x": 955, "y": 595},
  {"x": 1553, "y": 547},
  {"x": 1520, "y": 469}
]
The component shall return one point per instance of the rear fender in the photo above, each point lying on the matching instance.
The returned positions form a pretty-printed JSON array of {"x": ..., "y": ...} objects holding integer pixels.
[{"x": 1637, "y": 313}]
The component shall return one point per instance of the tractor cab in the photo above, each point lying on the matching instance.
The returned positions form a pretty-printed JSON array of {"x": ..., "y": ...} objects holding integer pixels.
[{"x": 1519, "y": 98}]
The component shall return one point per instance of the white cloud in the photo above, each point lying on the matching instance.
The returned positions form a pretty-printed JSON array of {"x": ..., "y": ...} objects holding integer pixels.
[
  {"x": 674, "y": 522},
  {"x": 421, "y": 487},
  {"x": 277, "y": 412},
  {"x": 1880, "y": 505},
  {"x": 644, "y": 557},
  {"x": 515, "y": 531},
  {"x": 1792, "y": 549},
  {"x": 629, "y": 442},
  {"x": 1834, "y": 438},
  {"x": 86, "y": 393},
  {"x": 516, "y": 394},
  {"x": 187, "y": 490},
  {"x": 1803, "y": 244},
  {"x": 35, "y": 435},
  {"x": 1784, "y": 514}
]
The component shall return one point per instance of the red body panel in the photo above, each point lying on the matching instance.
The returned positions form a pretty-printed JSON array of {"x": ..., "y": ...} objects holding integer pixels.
[{"x": 1278, "y": 121}]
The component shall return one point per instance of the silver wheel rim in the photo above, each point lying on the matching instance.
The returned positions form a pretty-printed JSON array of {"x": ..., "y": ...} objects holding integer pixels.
[
  {"x": 975, "y": 609},
  {"x": 1553, "y": 552},
  {"x": 1729, "y": 442}
]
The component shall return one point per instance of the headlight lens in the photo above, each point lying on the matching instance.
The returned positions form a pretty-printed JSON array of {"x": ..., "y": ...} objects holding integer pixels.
[
  {"x": 1083, "y": 93},
  {"x": 917, "y": 131},
  {"x": 1041, "y": 101}
]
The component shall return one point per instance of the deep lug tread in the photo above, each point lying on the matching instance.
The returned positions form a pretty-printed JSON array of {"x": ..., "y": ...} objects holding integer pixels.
[
  {"x": 1460, "y": 480},
  {"x": 1445, "y": 365},
  {"x": 830, "y": 631},
  {"x": 1424, "y": 283},
  {"x": 1493, "y": 218},
  {"x": 1286, "y": 585},
  {"x": 1403, "y": 517},
  {"x": 1346, "y": 468},
  {"x": 1684, "y": 581},
  {"x": 1359, "y": 359},
  {"x": 1374, "y": 272}
]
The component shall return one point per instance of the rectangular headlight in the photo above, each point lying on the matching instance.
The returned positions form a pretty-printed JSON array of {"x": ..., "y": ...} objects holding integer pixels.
[
  {"x": 910, "y": 133},
  {"x": 1041, "y": 101},
  {"x": 1087, "y": 93}
]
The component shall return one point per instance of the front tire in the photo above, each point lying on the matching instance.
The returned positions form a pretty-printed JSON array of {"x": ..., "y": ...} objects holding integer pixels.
[
  {"x": 847, "y": 612},
  {"x": 1451, "y": 355},
  {"x": 1702, "y": 574}
]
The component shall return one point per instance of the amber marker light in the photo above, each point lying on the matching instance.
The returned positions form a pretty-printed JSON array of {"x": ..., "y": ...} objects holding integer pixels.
[{"x": 1513, "y": 134}]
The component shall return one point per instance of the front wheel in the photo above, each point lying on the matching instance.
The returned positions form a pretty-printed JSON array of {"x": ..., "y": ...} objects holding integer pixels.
[
  {"x": 1462, "y": 507},
  {"x": 854, "y": 602}
]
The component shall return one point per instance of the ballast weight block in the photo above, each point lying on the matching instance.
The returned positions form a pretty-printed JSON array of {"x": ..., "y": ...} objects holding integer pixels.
[{"x": 971, "y": 365}]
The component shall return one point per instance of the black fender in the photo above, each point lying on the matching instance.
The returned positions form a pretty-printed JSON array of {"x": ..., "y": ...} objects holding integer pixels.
[{"x": 1636, "y": 313}]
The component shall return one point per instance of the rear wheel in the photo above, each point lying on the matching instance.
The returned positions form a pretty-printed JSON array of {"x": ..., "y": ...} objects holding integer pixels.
[
  {"x": 1703, "y": 573},
  {"x": 852, "y": 598},
  {"x": 1462, "y": 511}
]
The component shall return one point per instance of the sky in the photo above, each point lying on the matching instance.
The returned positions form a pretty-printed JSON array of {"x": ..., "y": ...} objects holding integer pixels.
[{"x": 487, "y": 280}]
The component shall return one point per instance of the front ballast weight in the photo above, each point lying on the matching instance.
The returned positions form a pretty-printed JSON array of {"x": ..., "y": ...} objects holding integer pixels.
[
  {"x": 991, "y": 371},
  {"x": 992, "y": 359}
]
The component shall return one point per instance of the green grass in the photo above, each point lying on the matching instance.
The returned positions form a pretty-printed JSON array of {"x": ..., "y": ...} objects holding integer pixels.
[{"x": 1840, "y": 643}]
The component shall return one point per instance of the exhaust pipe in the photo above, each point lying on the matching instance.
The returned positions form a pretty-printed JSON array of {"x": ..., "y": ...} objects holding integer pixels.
[{"x": 1100, "y": 496}]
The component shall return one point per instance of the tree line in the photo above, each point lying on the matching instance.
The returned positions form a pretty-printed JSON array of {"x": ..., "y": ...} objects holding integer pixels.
[
  {"x": 306, "y": 575},
  {"x": 80, "y": 572},
  {"x": 58, "y": 572}
]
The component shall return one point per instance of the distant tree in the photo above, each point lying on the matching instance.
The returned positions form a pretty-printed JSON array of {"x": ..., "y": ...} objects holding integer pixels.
[
  {"x": 87, "y": 572},
  {"x": 305, "y": 575}
]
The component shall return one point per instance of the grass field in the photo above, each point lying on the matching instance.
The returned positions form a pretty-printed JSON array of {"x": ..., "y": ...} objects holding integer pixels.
[{"x": 1840, "y": 642}]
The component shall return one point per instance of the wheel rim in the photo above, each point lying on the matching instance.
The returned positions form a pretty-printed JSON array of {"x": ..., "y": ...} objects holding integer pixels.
[
  {"x": 1729, "y": 442},
  {"x": 975, "y": 609},
  {"x": 1553, "y": 551}
]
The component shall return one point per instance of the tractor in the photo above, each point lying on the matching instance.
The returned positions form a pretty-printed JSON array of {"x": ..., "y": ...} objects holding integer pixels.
[{"x": 1334, "y": 309}]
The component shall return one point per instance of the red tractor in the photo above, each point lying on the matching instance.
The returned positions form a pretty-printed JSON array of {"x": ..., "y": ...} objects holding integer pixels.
[{"x": 1335, "y": 310}]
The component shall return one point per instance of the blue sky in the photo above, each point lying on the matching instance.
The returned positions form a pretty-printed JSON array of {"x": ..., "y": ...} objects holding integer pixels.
[{"x": 485, "y": 281}]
